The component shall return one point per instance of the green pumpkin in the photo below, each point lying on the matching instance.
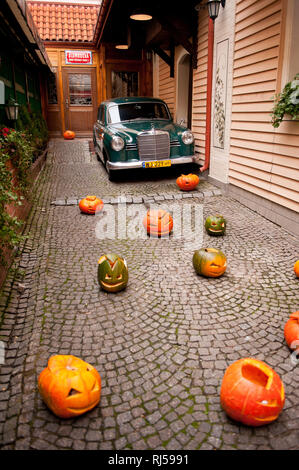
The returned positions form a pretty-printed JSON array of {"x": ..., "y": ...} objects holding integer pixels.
[
  {"x": 215, "y": 225},
  {"x": 112, "y": 272},
  {"x": 209, "y": 262}
]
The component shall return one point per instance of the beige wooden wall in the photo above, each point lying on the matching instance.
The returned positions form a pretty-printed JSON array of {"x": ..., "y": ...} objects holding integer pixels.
[
  {"x": 263, "y": 160},
  {"x": 200, "y": 86},
  {"x": 166, "y": 86}
]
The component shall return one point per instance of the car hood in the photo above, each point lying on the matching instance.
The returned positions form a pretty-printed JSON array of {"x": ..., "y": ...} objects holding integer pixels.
[{"x": 129, "y": 130}]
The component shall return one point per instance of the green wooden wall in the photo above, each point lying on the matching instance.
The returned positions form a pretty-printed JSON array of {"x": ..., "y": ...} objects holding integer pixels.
[{"x": 20, "y": 84}]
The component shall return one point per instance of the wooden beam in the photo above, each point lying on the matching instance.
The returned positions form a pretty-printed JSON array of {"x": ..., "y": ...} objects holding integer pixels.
[
  {"x": 176, "y": 34},
  {"x": 169, "y": 59}
]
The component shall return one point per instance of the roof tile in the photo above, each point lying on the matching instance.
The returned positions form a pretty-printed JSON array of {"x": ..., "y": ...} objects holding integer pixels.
[{"x": 64, "y": 22}]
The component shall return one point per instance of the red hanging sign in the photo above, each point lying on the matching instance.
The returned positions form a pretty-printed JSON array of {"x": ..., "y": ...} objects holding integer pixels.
[{"x": 78, "y": 57}]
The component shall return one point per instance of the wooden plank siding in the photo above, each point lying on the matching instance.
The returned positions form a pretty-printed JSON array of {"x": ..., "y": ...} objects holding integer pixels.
[
  {"x": 166, "y": 86},
  {"x": 200, "y": 87},
  {"x": 263, "y": 160}
]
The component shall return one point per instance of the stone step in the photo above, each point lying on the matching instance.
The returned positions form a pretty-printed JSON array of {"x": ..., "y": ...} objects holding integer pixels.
[{"x": 131, "y": 199}]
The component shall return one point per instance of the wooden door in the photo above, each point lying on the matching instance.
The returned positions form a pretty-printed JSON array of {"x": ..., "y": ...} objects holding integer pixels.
[{"x": 80, "y": 99}]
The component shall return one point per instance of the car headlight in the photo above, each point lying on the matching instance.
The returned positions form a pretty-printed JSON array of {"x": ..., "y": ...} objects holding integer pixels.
[
  {"x": 187, "y": 137},
  {"x": 117, "y": 143}
]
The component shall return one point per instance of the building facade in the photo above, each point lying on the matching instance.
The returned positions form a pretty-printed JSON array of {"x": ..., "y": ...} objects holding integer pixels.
[
  {"x": 24, "y": 64},
  {"x": 86, "y": 71}
]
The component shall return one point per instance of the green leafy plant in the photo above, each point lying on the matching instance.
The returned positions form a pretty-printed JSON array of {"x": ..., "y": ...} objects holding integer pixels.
[
  {"x": 16, "y": 154},
  {"x": 286, "y": 102},
  {"x": 35, "y": 126},
  {"x": 18, "y": 149}
]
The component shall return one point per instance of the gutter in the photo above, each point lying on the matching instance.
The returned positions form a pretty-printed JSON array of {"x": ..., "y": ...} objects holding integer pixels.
[{"x": 209, "y": 96}]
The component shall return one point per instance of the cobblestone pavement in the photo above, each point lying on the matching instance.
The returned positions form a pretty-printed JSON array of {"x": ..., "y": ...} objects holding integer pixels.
[{"x": 162, "y": 345}]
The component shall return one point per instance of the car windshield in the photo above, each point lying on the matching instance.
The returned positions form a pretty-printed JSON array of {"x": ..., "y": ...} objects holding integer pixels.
[{"x": 137, "y": 111}]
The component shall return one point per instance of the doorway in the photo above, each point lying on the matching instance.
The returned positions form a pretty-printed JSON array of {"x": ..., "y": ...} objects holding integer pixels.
[
  {"x": 80, "y": 99},
  {"x": 183, "y": 109}
]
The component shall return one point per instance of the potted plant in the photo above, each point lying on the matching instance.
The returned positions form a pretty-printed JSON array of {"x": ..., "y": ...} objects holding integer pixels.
[{"x": 287, "y": 102}]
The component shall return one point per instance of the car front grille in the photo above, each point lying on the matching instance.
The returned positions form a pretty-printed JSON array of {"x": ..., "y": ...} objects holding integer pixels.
[{"x": 153, "y": 145}]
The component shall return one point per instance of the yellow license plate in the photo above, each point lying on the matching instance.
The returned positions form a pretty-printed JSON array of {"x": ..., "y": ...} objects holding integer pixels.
[{"x": 156, "y": 164}]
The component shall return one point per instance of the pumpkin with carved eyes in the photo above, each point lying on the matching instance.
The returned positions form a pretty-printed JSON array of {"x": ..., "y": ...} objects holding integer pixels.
[
  {"x": 69, "y": 135},
  {"x": 215, "y": 225},
  {"x": 187, "y": 182},
  {"x": 112, "y": 272},
  {"x": 209, "y": 262},
  {"x": 158, "y": 222},
  {"x": 252, "y": 392},
  {"x": 296, "y": 268},
  {"x": 91, "y": 205},
  {"x": 69, "y": 386},
  {"x": 291, "y": 331}
]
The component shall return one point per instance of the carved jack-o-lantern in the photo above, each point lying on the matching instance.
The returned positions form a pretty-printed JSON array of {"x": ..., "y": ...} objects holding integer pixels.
[
  {"x": 296, "y": 268},
  {"x": 291, "y": 331},
  {"x": 91, "y": 205},
  {"x": 69, "y": 386},
  {"x": 112, "y": 273},
  {"x": 158, "y": 222},
  {"x": 187, "y": 182},
  {"x": 69, "y": 135},
  {"x": 209, "y": 262},
  {"x": 215, "y": 225},
  {"x": 252, "y": 392}
]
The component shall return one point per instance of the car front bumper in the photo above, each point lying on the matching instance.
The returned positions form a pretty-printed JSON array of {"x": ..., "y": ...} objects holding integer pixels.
[{"x": 138, "y": 164}]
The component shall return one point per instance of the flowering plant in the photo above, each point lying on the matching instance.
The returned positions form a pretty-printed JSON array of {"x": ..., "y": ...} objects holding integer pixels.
[
  {"x": 287, "y": 102},
  {"x": 16, "y": 154}
]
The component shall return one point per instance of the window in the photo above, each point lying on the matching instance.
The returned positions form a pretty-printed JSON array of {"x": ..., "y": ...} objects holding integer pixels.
[
  {"x": 80, "y": 89},
  {"x": 52, "y": 89},
  {"x": 138, "y": 111},
  {"x": 124, "y": 84},
  {"x": 101, "y": 114}
]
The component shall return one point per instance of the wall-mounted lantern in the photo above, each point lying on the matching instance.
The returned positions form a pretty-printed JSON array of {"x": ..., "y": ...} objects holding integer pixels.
[
  {"x": 12, "y": 110},
  {"x": 213, "y": 7}
]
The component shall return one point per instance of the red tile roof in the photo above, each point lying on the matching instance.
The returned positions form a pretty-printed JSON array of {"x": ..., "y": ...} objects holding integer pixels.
[{"x": 64, "y": 22}]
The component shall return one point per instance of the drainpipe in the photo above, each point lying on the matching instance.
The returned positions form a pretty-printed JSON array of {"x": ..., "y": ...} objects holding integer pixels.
[{"x": 209, "y": 95}]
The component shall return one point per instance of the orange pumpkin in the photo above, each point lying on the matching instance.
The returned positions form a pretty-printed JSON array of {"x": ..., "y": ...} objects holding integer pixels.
[
  {"x": 291, "y": 331},
  {"x": 187, "y": 182},
  {"x": 252, "y": 392},
  {"x": 91, "y": 205},
  {"x": 296, "y": 268},
  {"x": 158, "y": 222},
  {"x": 69, "y": 135},
  {"x": 69, "y": 386}
]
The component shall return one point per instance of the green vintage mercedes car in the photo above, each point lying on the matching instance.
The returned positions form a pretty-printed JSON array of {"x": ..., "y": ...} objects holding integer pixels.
[{"x": 138, "y": 132}]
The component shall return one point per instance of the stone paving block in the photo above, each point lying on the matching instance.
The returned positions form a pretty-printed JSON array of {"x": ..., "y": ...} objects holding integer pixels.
[
  {"x": 207, "y": 193},
  {"x": 161, "y": 345},
  {"x": 71, "y": 201},
  {"x": 137, "y": 200},
  {"x": 217, "y": 192}
]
